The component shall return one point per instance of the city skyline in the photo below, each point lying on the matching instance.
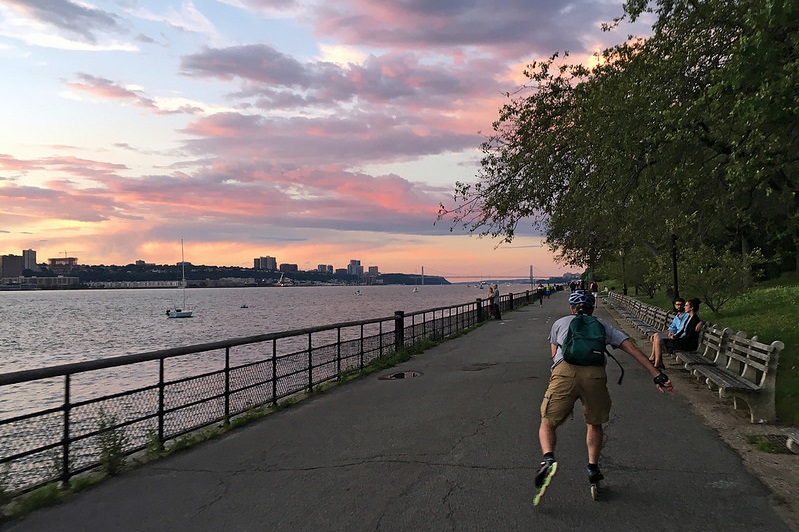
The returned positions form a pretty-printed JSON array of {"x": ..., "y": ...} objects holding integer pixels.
[{"x": 307, "y": 128}]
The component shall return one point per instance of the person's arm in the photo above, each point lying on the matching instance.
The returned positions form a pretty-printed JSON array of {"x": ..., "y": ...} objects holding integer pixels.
[{"x": 630, "y": 348}]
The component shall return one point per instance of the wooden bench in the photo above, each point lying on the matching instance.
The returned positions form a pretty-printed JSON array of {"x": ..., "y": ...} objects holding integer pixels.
[
  {"x": 712, "y": 342},
  {"x": 745, "y": 370},
  {"x": 661, "y": 319},
  {"x": 793, "y": 439},
  {"x": 643, "y": 317}
]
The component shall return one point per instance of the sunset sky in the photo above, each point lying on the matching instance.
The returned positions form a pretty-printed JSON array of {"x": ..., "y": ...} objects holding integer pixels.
[{"x": 313, "y": 131}]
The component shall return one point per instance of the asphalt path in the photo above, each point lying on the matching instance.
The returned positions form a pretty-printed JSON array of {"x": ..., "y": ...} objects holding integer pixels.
[{"x": 452, "y": 449}]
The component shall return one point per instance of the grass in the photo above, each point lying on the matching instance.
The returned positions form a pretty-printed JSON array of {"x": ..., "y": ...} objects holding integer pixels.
[
  {"x": 762, "y": 444},
  {"x": 769, "y": 311}
]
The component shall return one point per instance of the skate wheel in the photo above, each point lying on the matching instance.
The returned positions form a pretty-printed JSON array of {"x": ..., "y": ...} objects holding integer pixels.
[{"x": 595, "y": 491}]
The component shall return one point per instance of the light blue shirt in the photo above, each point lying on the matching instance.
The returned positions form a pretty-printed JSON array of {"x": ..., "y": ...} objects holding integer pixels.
[{"x": 679, "y": 322}]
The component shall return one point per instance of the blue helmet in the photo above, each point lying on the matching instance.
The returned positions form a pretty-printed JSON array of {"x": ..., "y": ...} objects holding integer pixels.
[{"x": 584, "y": 299}]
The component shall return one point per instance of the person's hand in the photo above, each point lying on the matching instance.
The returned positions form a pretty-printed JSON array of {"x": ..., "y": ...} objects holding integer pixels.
[{"x": 663, "y": 383}]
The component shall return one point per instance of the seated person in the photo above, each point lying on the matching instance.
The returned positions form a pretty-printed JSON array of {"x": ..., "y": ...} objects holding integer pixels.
[
  {"x": 676, "y": 326},
  {"x": 687, "y": 338}
]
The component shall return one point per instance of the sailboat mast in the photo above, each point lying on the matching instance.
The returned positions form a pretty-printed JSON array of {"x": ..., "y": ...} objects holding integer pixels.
[{"x": 183, "y": 272}]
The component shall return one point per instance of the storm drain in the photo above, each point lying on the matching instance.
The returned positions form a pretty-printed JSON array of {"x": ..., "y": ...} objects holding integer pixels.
[{"x": 400, "y": 375}]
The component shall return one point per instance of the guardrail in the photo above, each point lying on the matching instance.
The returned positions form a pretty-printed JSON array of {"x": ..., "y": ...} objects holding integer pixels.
[{"x": 75, "y": 417}]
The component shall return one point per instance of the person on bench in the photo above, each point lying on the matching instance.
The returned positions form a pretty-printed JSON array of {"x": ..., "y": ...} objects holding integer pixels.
[
  {"x": 687, "y": 338},
  {"x": 676, "y": 326}
]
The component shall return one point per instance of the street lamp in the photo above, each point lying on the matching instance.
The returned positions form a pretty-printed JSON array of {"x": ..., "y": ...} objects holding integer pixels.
[{"x": 674, "y": 264}]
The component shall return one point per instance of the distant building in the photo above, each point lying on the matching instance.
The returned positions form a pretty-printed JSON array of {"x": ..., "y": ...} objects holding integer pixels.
[
  {"x": 374, "y": 270},
  {"x": 355, "y": 268},
  {"x": 341, "y": 271},
  {"x": 288, "y": 268},
  {"x": 11, "y": 265},
  {"x": 265, "y": 263},
  {"x": 43, "y": 282},
  {"x": 29, "y": 260},
  {"x": 62, "y": 265},
  {"x": 145, "y": 264},
  {"x": 325, "y": 268}
]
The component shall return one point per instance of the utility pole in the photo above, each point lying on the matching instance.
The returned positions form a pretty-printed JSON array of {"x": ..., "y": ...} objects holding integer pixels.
[{"x": 674, "y": 264}]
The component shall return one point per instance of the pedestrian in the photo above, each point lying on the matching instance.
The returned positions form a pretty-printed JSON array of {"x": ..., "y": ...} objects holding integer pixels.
[
  {"x": 569, "y": 382},
  {"x": 490, "y": 300},
  {"x": 540, "y": 291},
  {"x": 594, "y": 287},
  {"x": 495, "y": 302}
]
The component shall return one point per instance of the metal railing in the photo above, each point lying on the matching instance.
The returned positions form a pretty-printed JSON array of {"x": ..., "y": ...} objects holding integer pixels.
[{"x": 140, "y": 402}]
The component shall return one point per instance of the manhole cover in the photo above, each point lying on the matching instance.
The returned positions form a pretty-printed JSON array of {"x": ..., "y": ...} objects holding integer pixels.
[{"x": 400, "y": 375}]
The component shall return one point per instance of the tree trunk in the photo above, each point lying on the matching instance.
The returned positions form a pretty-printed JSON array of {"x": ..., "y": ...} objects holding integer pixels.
[
  {"x": 746, "y": 248},
  {"x": 796, "y": 242}
]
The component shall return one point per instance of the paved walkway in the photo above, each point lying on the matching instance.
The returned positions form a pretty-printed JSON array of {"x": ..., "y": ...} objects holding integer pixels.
[{"x": 453, "y": 449}]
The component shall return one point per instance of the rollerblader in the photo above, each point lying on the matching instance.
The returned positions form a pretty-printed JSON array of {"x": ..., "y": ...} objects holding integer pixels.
[{"x": 577, "y": 345}]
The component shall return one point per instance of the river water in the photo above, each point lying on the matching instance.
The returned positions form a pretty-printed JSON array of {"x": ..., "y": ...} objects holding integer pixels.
[{"x": 45, "y": 328}]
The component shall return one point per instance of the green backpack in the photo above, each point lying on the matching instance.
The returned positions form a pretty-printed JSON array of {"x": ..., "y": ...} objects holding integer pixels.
[{"x": 585, "y": 342}]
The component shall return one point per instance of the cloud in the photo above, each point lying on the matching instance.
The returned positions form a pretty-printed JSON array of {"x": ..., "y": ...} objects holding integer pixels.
[
  {"x": 69, "y": 18},
  {"x": 397, "y": 78},
  {"x": 334, "y": 140},
  {"x": 107, "y": 89},
  {"x": 512, "y": 28},
  {"x": 225, "y": 193}
]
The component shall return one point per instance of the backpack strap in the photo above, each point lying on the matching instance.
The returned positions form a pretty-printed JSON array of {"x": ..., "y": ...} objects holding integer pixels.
[{"x": 617, "y": 362}]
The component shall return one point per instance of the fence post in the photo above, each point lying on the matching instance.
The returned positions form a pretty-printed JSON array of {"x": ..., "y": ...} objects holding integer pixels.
[
  {"x": 310, "y": 363},
  {"x": 360, "y": 348},
  {"x": 399, "y": 330},
  {"x": 274, "y": 372},
  {"x": 511, "y": 300},
  {"x": 161, "y": 399},
  {"x": 480, "y": 310},
  {"x": 338, "y": 353},
  {"x": 227, "y": 387},
  {"x": 65, "y": 442}
]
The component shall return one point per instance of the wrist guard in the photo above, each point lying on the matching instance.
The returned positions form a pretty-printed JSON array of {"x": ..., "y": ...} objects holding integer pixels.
[{"x": 661, "y": 379}]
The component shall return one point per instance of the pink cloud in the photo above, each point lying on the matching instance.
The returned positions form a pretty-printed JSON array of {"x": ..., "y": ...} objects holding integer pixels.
[
  {"x": 509, "y": 29},
  {"x": 327, "y": 140}
]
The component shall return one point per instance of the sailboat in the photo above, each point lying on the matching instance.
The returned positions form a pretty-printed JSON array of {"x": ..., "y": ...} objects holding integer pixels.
[
  {"x": 416, "y": 288},
  {"x": 181, "y": 312}
]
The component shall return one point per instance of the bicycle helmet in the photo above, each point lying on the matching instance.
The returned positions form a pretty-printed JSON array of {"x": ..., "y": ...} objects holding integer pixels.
[{"x": 584, "y": 299}]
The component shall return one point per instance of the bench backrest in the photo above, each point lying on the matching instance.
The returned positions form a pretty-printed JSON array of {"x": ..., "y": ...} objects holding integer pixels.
[
  {"x": 712, "y": 342},
  {"x": 662, "y": 319},
  {"x": 751, "y": 359}
]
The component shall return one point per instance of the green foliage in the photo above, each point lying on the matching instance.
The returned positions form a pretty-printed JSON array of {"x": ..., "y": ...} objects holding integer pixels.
[
  {"x": 44, "y": 496},
  {"x": 155, "y": 446},
  {"x": 716, "y": 278},
  {"x": 761, "y": 443},
  {"x": 111, "y": 441},
  {"x": 691, "y": 131}
]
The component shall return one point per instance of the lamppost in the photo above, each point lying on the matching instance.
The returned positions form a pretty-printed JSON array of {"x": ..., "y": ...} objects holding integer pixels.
[
  {"x": 623, "y": 274},
  {"x": 674, "y": 264}
]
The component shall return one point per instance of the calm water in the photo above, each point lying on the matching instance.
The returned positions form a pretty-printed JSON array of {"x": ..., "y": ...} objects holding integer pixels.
[{"x": 45, "y": 328}]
